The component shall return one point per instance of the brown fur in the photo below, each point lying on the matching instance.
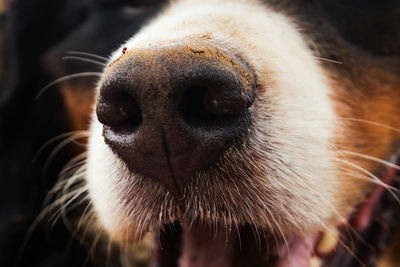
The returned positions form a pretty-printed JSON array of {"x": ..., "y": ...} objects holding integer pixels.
[{"x": 366, "y": 103}]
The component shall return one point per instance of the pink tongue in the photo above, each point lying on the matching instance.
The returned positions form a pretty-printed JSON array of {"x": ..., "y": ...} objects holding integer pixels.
[
  {"x": 214, "y": 247},
  {"x": 203, "y": 246},
  {"x": 296, "y": 252}
]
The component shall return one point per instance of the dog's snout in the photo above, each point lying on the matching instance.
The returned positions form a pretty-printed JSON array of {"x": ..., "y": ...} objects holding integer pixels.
[{"x": 171, "y": 111}]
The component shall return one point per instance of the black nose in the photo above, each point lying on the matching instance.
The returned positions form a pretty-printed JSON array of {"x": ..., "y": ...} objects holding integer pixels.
[{"x": 171, "y": 111}]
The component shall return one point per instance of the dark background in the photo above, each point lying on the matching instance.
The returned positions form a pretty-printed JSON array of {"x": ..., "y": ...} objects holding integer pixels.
[{"x": 34, "y": 36}]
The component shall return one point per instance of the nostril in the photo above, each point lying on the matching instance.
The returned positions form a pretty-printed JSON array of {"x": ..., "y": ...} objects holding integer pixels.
[
  {"x": 120, "y": 112},
  {"x": 212, "y": 104},
  {"x": 193, "y": 109}
]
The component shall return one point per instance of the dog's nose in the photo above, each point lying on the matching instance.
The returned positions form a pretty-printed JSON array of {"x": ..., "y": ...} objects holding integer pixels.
[{"x": 173, "y": 110}]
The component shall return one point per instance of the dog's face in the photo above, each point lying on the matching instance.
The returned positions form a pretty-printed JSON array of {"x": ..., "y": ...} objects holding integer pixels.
[{"x": 234, "y": 118}]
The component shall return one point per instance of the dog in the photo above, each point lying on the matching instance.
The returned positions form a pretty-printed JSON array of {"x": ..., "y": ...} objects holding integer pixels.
[
  {"x": 246, "y": 133},
  {"x": 254, "y": 129}
]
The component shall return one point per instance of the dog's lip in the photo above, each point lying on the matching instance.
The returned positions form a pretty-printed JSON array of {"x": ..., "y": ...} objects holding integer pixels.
[{"x": 217, "y": 246}]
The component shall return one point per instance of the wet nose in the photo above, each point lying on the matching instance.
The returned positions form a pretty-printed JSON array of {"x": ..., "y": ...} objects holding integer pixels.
[{"x": 171, "y": 111}]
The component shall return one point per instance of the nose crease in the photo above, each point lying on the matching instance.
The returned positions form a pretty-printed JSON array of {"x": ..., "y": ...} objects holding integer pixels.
[{"x": 174, "y": 184}]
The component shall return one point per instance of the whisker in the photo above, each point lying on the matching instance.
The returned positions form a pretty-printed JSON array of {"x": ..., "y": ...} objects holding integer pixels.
[
  {"x": 350, "y": 231},
  {"x": 85, "y": 60},
  {"x": 372, "y": 158},
  {"x": 85, "y": 211},
  {"x": 72, "y": 185},
  {"x": 66, "y": 77},
  {"x": 352, "y": 253},
  {"x": 108, "y": 254},
  {"x": 370, "y": 122},
  {"x": 354, "y": 174},
  {"x": 80, "y": 158},
  {"x": 62, "y": 210},
  {"x": 63, "y": 185},
  {"x": 36, "y": 222},
  {"x": 97, "y": 235},
  {"x": 87, "y": 54},
  {"x": 58, "y": 148},
  {"x": 55, "y": 139},
  {"x": 74, "y": 164},
  {"x": 328, "y": 60},
  {"x": 368, "y": 173},
  {"x": 387, "y": 187},
  {"x": 337, "y": 150},
  {"x": 90, "y": 223}
]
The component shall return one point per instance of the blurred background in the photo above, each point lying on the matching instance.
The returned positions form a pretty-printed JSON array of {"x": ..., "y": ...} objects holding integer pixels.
[{"x": 36, "y": 40}]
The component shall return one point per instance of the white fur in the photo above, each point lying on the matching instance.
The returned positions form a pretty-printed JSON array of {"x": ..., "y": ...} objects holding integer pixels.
[{"x": 293, "y": 96}]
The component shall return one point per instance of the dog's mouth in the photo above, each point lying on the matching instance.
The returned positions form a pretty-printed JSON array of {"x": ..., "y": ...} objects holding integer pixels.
[
  {"x": 356, "y": 241},
  {"x": 194, "y": 244}
]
